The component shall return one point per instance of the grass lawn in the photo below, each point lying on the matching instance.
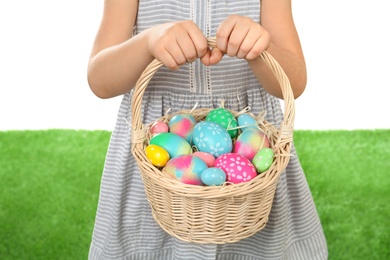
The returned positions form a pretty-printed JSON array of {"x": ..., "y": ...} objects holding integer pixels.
[{"x": 49, "y": 186}]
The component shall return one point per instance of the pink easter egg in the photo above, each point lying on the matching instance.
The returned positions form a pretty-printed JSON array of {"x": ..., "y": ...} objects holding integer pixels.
[
  {"x": 159, "y": 127},
  {"x": 182, "y": 125},
  {"x": 237, "y": 168},
  {"x": 186, "y": 168},
  {"x": 208, "y": 158},
  {"x": 249, "y": 142}
]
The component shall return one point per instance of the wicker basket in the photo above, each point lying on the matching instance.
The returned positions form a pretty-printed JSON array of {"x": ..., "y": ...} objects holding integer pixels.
[{"x": 212, "y": 214}]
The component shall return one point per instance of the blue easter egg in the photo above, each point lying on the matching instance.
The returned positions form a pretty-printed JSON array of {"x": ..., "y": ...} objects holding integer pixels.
[
  {"x": 246, "y": 121},
  {"x": 213, "y": 176},
  {"x": 212, "y": 138}
]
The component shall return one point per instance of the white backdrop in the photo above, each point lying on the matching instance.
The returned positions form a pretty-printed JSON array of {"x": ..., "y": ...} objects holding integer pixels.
[{"x": 45, "y": 45}]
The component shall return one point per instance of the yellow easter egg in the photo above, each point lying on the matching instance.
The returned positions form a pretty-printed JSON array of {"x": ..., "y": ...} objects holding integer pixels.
[{"x": 157, "y": 155}]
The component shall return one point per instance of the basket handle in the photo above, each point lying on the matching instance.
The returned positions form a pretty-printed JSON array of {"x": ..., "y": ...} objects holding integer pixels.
[{"x": 285, "y": 132}]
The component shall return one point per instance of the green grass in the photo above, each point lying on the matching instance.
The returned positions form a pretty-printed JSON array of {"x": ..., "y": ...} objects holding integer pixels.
[
  {"x": 348, "y": 173},
  {"x": 49, "y": 186}
]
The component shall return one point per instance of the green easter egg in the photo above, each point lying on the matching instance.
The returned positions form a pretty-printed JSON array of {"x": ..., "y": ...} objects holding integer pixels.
[
  {"x": 225, "y": 118},
  {"x": 174, "y": 144},
  {"x": 263, "y": 159}
]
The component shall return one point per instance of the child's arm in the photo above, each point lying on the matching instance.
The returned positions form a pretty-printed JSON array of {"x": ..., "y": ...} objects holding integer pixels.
[
  {"x": 118, "y": 59},
  {"x": 242, "y": 37}
]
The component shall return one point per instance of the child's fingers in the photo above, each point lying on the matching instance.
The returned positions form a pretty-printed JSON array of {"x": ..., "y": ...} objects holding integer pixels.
[
  {"x": 242, "y": 37},
  {"x": 212, "y": 57},
  {"x": 187, "y": 47},
  {"x": 260, "y": 46},
  {"x": 176, "y": 43},
  {"x": 167, "y": 59},
  {"x": 223, "y": 33},
  {"x": 247, "y": 43},
  {"x": 199, "y": 42},
  {"x": 237, "y": 38},
  {"x": 215, "y": 56},
  {"x": 205, "y": 59}
]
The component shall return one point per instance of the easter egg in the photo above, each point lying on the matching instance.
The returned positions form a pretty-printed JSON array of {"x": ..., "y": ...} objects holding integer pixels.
[
  {"x": 174, "y": 144},
  {"x": 186, "y": 168},
  {"x": 263, "y": 159},
  {"x": 158, "y": 127},
  {"x": 157, "y": 155},
  {"x": 213, "y": 176},
  {"x": 225, "y": 118},
  {"x": 212, "y": 138},
  {"x": 246, "y": 121},
  {"x": 236, "y": 167},
  {"x": 249, "y": 142},
  {"x": 206, "y": 157},
  {"x": 182, "y": 125}
]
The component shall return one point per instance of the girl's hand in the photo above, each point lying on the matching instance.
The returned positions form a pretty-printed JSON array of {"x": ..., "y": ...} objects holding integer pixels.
[
  {"x": 240, "y": 37},
  {"x": 177, "y": 43}
]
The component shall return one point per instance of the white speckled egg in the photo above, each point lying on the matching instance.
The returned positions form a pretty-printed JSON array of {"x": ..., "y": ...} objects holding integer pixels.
[
  {"x": 263, "y": 159},
  {"x": 237, "y": 168},
  {"x": 225, "y": 118},
  {"x": 212, "y": 138}
]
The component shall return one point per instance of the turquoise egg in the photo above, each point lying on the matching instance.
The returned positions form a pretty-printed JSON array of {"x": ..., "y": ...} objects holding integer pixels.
[
  {"x": 174, "y": 144},
  {"x": 213, "y": 176},
  {"x": 212, "y": 138},
  {"x": 246, "y": 121}
]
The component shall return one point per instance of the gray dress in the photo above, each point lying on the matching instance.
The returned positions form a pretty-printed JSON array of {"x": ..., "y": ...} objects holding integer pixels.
[{"x": 124, "y": 227}]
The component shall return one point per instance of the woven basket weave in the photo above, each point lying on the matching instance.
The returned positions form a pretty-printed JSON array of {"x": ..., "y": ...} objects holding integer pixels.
[{"x": 212, "y": 214}]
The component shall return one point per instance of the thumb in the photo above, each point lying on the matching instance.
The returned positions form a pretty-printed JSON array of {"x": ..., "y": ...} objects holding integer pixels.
[
  {"x": 205, "y": 59},
  {"x": 215, "y": 56}
]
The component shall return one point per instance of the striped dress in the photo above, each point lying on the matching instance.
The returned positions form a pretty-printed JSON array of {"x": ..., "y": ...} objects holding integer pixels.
[{"x": 124, "y": 227}]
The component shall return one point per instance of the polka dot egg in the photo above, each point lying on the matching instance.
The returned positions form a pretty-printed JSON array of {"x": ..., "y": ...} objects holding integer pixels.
[
  {"x": 225, "y": 118},
  {"x": 237, "y": 168},
  {"x": 263, "y": 159}
]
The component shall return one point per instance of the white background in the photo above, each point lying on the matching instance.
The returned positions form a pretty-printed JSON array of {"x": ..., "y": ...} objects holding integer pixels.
[{"x": 45, "y": 45}]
